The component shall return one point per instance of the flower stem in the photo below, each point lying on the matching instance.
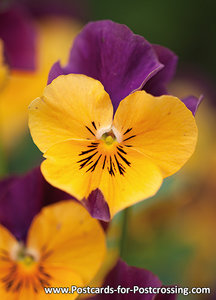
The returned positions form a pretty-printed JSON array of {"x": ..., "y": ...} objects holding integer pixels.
[{"x": 124, "y": 232}]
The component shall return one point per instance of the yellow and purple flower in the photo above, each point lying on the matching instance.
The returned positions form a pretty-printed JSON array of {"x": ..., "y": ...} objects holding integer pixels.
[
  {"x": 109, "y": 163},
  {"x": 31, "y": 46},
  {"x": 63, "y": 244}
]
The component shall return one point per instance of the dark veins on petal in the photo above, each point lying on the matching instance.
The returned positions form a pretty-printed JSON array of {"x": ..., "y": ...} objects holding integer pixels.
[
  {"x": 12, "y": 282},
  {"x": 113, "y": 163}
]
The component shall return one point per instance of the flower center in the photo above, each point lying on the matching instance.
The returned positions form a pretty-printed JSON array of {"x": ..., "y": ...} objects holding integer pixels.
[
  {"x": 25, "y": 258},
  {"x": 109, "y": 137}
]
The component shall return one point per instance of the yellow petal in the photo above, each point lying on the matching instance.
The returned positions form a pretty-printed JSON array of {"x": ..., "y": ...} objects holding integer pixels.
[
  {"x": 141, "y": 179},
  {"x": 63, "y": 277},
  {"x": 21, "y": 87},
  {"x": 3, "y": 67},
  {"x": 71, "y": 238},
  {"x": 7, "y": 244},
  {"x": 69, "y": 105},
  {"x": 61, "y": 168},
  {"x": 7, "y": 241},
  {"x": 162, "y": 128}
]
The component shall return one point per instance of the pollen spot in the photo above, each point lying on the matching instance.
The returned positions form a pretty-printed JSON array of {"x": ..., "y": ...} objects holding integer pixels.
[
  {"x": 26, "y": 259},
  {"x": 109, "y": 138}
]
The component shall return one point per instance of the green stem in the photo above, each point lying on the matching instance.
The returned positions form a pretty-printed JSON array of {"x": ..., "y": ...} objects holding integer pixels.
[{"x": 124, "y": 232}]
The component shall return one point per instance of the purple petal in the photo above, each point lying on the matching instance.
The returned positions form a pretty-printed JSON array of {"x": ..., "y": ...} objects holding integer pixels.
[
  {"x": 55, "y": 71},
  {"x": 192, "y": 103},
  {"x": 157, "y": 84},
  {"x": 127, "y": 276},
  {"x": 19, "y": 36},
  {"x": 109, "y": 52},
  {"x": 21, "y": 198},
  {"x": 97, "y": 206}
]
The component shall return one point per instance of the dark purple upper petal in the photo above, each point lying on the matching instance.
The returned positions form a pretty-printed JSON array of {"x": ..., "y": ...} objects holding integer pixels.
[
  {"x": 192, "y": 103},
  {"x": 157, "y": 84},
  {"x": 21, "y": 198},
  {"x": 19, "y": 36},
  {"x": 109, "y": 52}
]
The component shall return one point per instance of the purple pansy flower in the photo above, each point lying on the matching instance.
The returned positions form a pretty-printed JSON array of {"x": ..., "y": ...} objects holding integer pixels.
[
  {"x": 19, "y": 36},
  {"x": 121, "y": 60},
  {"x": 128, "y": 277},
  {"x": 21, "y": 198}
]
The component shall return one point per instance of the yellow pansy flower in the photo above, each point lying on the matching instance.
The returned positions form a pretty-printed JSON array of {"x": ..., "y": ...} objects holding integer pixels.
[
  {"x": 125, "y": 157},
  {"x": 64, "y": 247},
  {"x": 54, "y": 38}
]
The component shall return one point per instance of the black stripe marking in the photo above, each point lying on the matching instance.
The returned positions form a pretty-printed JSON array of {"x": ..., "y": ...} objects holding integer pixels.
[
  {"x": 92, "y": 168},
  {"x": 120, "y": 167},
  {"x": 128, "y": 130},
  {"x": 87, "y": 151},
  {"x": 86, "y": 160},
  {"x": 43, "y": 282},
  {"x": 90, "y": 130},
  {"x": 104, "y": 162},
  {"x": 124, "y": 159},
  {"x": 93, "y": 145},
  {"x": 18, "y": 286},
  {"x": 121, "y": 150},
  {"x": 111, "y": 168},
  {"x": 93, "y": 123},
  {"x": 132, "y": 136}
]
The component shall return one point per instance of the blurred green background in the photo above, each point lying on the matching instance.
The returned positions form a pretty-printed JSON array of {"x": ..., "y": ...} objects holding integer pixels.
[{"x": 186, "y": 27}]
